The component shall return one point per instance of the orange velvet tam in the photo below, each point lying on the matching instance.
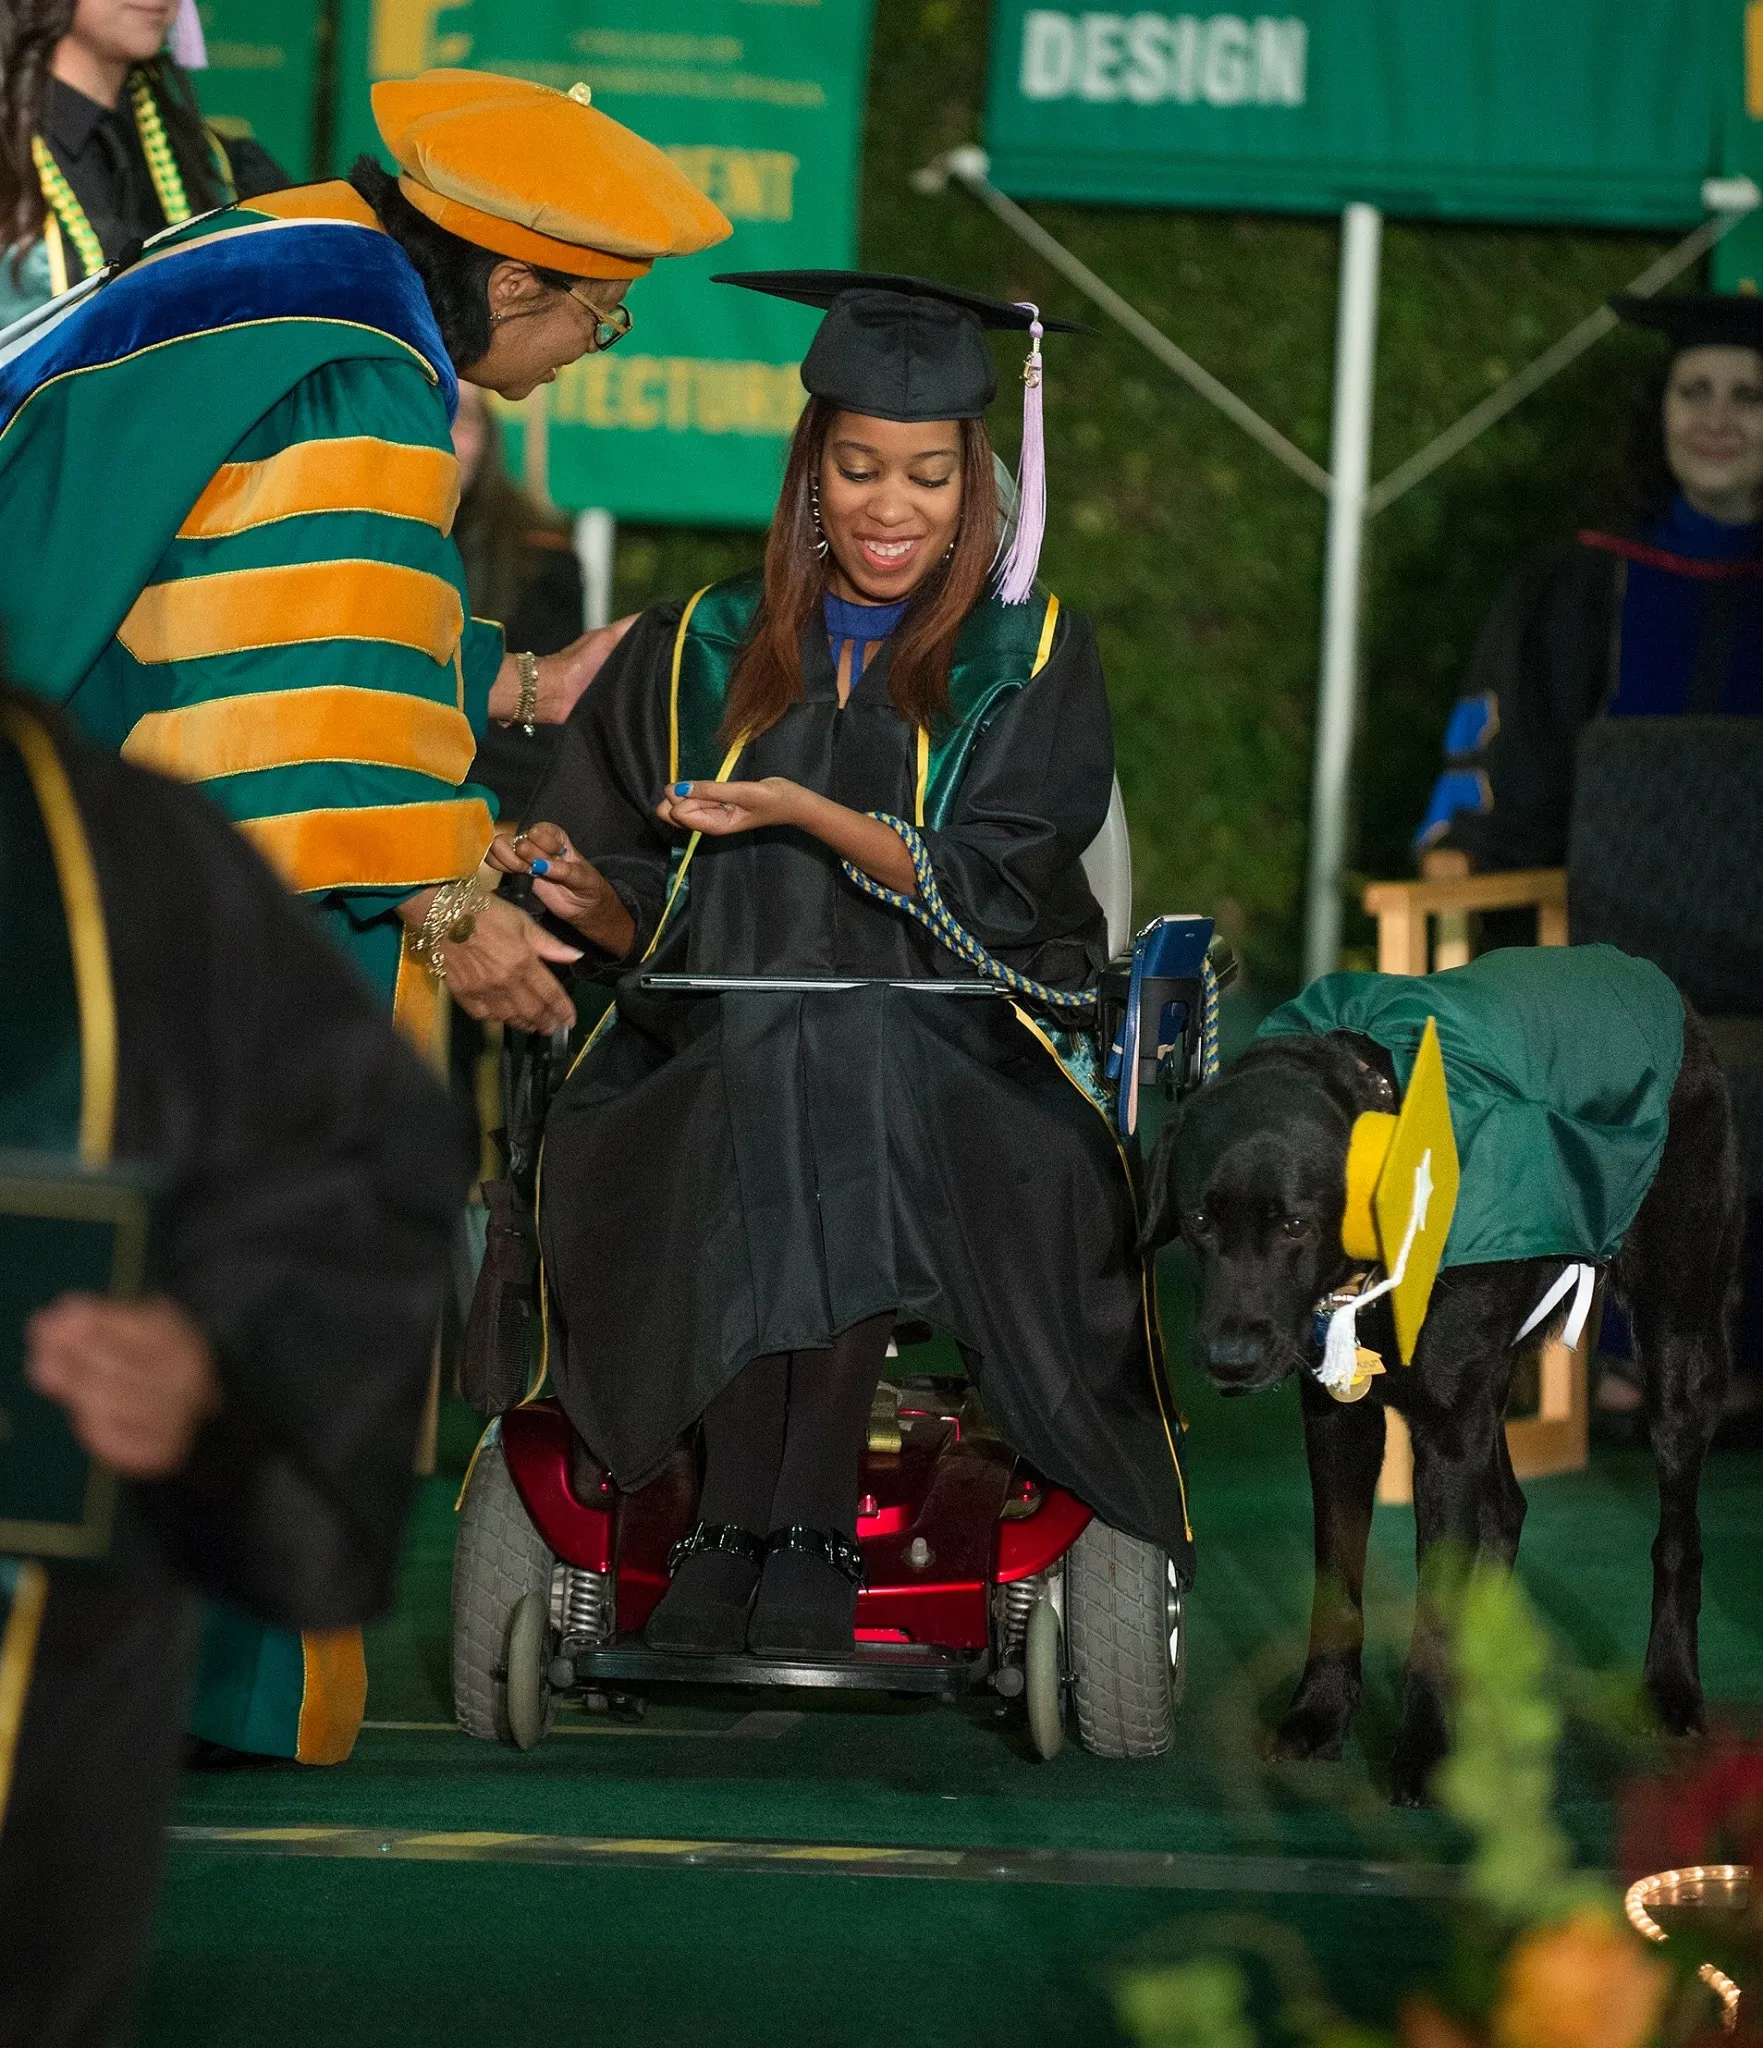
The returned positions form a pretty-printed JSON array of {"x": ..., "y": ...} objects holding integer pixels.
[{"x": 539, "y": 175}]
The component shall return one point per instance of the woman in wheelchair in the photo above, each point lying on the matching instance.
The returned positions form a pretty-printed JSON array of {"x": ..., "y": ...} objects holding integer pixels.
[{"x": 745, "y": 1188}]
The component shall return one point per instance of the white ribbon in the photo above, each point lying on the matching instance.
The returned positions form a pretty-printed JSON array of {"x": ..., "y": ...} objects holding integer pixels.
[
  {"x": 1340, "y": 1353},
  {"x": 1577, "y": 1274}
]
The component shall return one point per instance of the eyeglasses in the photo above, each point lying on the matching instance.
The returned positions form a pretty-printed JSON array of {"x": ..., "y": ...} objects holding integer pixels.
[{"x": 609, "y": 328}]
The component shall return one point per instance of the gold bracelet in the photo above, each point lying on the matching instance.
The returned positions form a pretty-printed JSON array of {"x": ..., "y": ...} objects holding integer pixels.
[
  {"x": 451, "y": 920},
  {"x": 526, "y": 713}
]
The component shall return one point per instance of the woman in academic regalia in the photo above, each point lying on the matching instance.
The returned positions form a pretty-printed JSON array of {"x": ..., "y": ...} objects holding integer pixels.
[
  {"x": 101, "y": 140},
  {"x": 745, "y": 1190},
  {"x": 1662, "y": 620}
]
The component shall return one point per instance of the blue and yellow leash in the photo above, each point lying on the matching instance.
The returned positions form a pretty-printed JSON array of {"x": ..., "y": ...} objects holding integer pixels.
[{"x": 928, "y": 909}]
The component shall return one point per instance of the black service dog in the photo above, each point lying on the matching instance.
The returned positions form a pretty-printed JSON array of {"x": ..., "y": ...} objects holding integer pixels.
[{"x": 1252, "y": 1177}]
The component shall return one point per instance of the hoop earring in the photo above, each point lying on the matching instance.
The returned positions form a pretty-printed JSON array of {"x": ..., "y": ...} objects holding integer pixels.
[{"x": 820, "y": 541}]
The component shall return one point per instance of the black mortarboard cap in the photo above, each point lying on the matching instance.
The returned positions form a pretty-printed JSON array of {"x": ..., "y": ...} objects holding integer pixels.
[
  {"x": 1698, "y": 319},
  {"x": 896, "y": 348}
]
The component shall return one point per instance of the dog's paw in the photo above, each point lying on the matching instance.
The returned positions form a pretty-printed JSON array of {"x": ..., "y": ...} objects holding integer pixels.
[
  {"x": 1678, "y": 1704},
  {"x": 1411, "y": 1780},
  {"x": 1308, "y": 1735}
]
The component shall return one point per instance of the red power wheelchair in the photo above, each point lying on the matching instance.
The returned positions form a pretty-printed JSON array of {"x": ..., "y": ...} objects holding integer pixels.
[{"x": 979, "y": 1573}]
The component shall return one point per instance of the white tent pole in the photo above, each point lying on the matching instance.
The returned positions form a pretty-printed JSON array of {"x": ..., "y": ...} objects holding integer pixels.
[
  {"x": 596, "y": 533},
  {"x": 1337, "y": 696}
]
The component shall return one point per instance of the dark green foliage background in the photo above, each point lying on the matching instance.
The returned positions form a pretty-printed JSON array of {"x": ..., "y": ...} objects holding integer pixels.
[{"x": 1198, "y": 556}]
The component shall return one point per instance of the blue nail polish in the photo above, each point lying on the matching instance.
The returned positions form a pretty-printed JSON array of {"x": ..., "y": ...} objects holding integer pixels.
[
  {"x": 541, "y": 867},
  {"x": 682, "y": 789}
]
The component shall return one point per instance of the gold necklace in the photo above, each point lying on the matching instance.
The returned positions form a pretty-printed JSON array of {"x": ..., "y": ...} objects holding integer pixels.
[{"x": 69, "y": 216}]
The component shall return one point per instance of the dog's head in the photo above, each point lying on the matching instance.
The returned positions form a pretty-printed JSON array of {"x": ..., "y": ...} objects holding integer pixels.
[{"x": 1253, "y": 1177}]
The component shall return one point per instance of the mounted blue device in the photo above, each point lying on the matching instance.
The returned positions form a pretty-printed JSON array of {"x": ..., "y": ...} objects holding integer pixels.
[{"x": 1161, "y": 1013}]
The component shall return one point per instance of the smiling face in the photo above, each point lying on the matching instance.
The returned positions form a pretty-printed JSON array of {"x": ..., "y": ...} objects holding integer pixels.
[
  {"x": 890, "y": 503},
  {"x": 122, "y": 31},
  {"x": 537, "y": 329},
  {"x": 1714, "y": 430}
]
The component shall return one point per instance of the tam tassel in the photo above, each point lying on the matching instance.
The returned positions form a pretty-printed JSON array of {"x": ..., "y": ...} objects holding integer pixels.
[
  {"x": 1016, "y": 575},
  {"x": 188, "y": 48}
]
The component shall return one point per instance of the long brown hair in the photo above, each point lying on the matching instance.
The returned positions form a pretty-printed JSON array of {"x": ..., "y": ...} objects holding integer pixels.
[
  {"x": 768, "y": 675},
  {"x": 29, "y": 32}
]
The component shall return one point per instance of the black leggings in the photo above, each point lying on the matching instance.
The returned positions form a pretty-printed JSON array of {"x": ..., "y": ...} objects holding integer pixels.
[{"x": 783, "y": 1441}]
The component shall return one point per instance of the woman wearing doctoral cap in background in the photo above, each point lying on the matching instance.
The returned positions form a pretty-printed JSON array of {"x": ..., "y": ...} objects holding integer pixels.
[
  {"x": 1664, "y": 620},
  {"x": 1621, "y": 625},
  {"x": 274, "y": 608},
  {"x": 742, "y": 1193},
  {"x": 102, "y": 143}
]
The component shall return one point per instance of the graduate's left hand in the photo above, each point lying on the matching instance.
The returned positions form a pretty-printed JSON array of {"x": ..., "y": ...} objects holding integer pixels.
[
  {"x": 719, "y": 808},
  {"x": 136, "y": 1377}
]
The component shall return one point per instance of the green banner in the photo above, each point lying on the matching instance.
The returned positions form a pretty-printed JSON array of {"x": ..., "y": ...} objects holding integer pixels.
[
  {"x": 1601, "y": 111},
  {"x": 761, "y": 104},
  {"x": 262, "y": 76}
]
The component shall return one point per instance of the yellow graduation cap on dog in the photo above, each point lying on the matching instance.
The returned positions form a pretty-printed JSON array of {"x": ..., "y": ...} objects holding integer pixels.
[{"x": 1401, "y": 1195}]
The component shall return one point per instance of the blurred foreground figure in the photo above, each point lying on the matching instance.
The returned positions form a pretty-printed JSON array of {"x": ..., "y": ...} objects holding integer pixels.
[{"x": 265, "y": 1406}]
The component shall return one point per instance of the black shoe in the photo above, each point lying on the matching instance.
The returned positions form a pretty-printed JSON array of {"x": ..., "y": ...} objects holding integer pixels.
[
  {"x": 714, "y": 1572},
  {"x": 807, "y": 1604}
]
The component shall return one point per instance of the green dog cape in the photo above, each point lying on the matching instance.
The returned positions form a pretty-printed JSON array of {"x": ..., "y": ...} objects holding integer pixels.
[{"x": 1559, "y": 1066}]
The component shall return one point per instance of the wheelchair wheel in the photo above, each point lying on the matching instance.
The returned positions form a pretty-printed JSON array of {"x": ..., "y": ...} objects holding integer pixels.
[
  {"x": 500, "y": 1563},
  {"x": 526, "y": 1681},
  {"x": 1043, "y": 1665},
  {"x": 1127, "y": 1642}
]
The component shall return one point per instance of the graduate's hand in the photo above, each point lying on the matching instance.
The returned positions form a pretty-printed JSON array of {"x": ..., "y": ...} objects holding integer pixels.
[
  {"x": 136, "y": 1377},
  {"x": 500, "y": 976},
  {"x": 719, "y": 808},
  {"x": 567, "y": 884}
]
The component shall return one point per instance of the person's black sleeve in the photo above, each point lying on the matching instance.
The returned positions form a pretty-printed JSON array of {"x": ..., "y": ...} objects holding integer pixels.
[
  {"x": 318, "y": 1172},
  {"x": 607, "y": 773},
  {"x": 1035, "y": 794},
  {"x": 1543, "y": 659}
]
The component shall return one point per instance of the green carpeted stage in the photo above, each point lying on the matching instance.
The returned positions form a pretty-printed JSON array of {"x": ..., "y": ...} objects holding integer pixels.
[{"x": 799, "y": 1872}]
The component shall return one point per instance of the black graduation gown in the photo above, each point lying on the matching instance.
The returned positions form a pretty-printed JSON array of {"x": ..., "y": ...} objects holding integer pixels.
[
  {"x": 315, "y": 1174},
  {"x": 1544, "y": 654},
  {"x": 731, "y": 1175}
]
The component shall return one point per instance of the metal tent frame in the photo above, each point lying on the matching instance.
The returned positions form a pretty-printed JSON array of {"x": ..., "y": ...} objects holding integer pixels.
[{"x": 1352, "y": 499}]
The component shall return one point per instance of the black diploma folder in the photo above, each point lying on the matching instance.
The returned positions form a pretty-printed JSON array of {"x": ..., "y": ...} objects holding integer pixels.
[{"x": 62, "y": 1230}]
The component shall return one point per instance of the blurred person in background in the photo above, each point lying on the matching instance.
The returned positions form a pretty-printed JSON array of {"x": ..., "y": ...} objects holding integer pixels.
[
  {"x": 274, "y": 606},
  {"x": 520, "y": 568},
  {"x": 169, "y": 1005},
  {"x": 102, "y": 143},
  {"x": 1661, "y": 620}
]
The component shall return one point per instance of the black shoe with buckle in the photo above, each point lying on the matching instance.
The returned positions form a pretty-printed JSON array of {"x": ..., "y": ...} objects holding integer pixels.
[
  {"x": 807, "y": 1604},
  {"x": 713, "y": 1572}
]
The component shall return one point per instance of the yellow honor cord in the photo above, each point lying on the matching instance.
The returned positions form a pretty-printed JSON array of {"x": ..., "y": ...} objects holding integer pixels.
[{"x": 162, "y": 168}]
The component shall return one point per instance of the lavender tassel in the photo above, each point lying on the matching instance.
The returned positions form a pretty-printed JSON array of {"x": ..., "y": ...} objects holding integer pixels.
[
  {"x": 188, "y": 49},
  {"x": 1016, "y": 576}
]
